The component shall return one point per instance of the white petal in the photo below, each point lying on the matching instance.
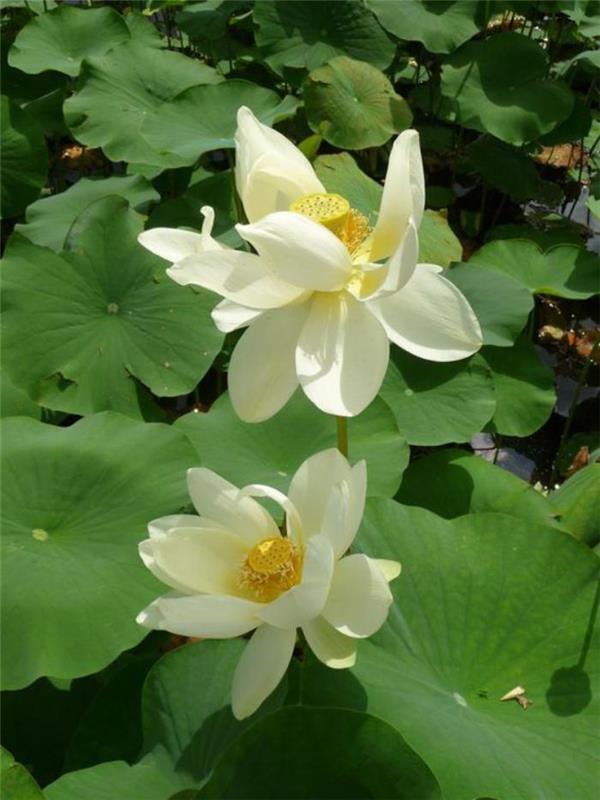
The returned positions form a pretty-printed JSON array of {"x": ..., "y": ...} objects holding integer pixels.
[
  {"x": 262, "y": 371},
  {"x": 160, "y": 527},
  {"x": 300, "y": 251},
  {"x": 331, "y": 647},
  {"x": 402, "y": 264},
  {"x": 390, "y": 569},
  {"x": 359, "y": 599},
  {"x": 342, "y": 354},
  {"x": 430, "y": 318},
  {"x": 229, "y": 316},
  {"x": 206, "y": 616},
  {"x": 196, "y": 560},
  {"x": 241, "y": 277},
  {"x": 403, "y": 195},
  {"x": 261, "y": 666},
  {"x": 219, "y": 500},
  {"x": 330, "y": 496},
  {"x": 270, "y": 171},
  {"x": 293, "y": 522},
  {"x": 174, "y": 244},
  {"x": 306, "y": 600}
]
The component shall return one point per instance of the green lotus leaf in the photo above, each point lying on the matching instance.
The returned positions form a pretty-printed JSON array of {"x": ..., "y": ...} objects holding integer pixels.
[
  {"x": 484, "y": 604},
  {"x": 115, "y": 92},
  {"x": 525, "y": 395},
  {"x": 438, "y": 244},
  {"x": 203, "y": 118},
  {"x": 440, "y": 26},
  {"x": 501, "y": 304},
  {"x": 564, "y": 270},
  {"x": 510, "y": 98},
  {"x": 76, "y": 502},
  {"x": 577, "y": 503},
  {"x": 15, "y": 402},
  {"x": 270, "y": 452},
  {"x": 62, "y": 38},
  {"x": 80, "y": 325},
  {"x": 437, "y": 403},
  {"x": 48, "y": 220},
  {"x": 576, "y": 126},
  {"x": 353, "y": 105},
  {"x": 16, "y": 781},
  {"x": 24, "y": 159},
  {"x": 305, "y": 35},
  {"x": 453, "y": 482},
  {"x": 584, "y": 13}
]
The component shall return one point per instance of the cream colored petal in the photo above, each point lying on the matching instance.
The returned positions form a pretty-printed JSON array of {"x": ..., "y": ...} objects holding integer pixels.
[
  {"x": 229, "y": 316},
  {"x": 344, "y": 510},
  {"x": 306, "y": 600},
  {"x": 331, "y": 647},
  {"x": 206, "y": 616},
  {"x": 262, "y": 370},
  {"x": 204, "y": 559},
  {"x": 402, "y": 264},
  {"x": 299, "y": 251},
  {"x": 172, "y": 244},
  {"x": 359, "y": 599},
  {"x": 241, "y": 277},
  {"x": 403, "y": 195},
  {"x": 160, "y": 527},
  {"x": 293, "y": 521},
  {"x": 390, "y": 569},
  {"x": 270, "y": 171},
  {"x": 342, "y": 354},
  {"x": 430, "y": 318},
  {"x": 219, "y": 500},
  {"x": 260, "y": 669}
]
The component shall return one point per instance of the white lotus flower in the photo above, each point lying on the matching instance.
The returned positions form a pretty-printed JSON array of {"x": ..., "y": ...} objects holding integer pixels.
[
  {"x": 232, "y": 571},
  {"x": 325, "y": 293}
]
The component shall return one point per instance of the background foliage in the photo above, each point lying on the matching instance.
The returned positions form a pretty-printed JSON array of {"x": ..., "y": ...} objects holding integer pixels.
[{"x": 120, "y": 116}]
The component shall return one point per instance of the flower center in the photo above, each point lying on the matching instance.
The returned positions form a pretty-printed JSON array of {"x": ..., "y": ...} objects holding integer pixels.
[
  {"x": 334, "y": 212},
  {"x": 272, "y": 566}
]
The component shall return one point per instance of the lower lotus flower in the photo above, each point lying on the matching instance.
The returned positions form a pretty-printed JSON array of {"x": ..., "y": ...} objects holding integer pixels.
[
  {"x": 233, "y": 570},
  {"x": 325, "y": 292}
]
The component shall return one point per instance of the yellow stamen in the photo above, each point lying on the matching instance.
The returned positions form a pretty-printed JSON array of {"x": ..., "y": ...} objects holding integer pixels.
[
  {"x": 335, "y": 213},
  {"x": 272, "y": 566}
]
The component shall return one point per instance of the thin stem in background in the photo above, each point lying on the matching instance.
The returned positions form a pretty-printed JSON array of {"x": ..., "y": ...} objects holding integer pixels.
[{"x": 342, "y": 435}]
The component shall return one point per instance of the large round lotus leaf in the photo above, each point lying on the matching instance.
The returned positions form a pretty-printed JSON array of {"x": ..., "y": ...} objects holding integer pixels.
[
  {"x": 524, "y": 385},
  {"x": 577, "y": 503},
  {"x": 501, "y": 303},
  {"x": 352, "y": 104},
  {"x": 306, "y": 35},
  {"x": 14, "y": 401},
  {"x": 80, "y": 324},
  {"x": 16, "y": 781},
  {"x": 564, "y": 271},
  {"x": 48, "y": 220},
  {"x": 484, "y": 604},
  {"x": 116, "y": 91},
  {"x": 24, "y": 159},
  {"x": 510, "y": 97},
  {"x": 440, "y": 25},
  {"x": 340, "y": 174},
  {"x": 270, "y": 452},
  {"x": 76, "y": 502},
  {"x": 62, "y": 38},
  {"x": 336, "y": 754},
  {"x": 204, "y": 117},
  {"x": 453, "y": 482},
  {"x": 438, "y": 403}
]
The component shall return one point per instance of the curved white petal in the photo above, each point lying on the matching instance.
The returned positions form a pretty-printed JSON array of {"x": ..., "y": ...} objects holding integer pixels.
[
  {"x": 293, "y": 521},
  {"x": 262, "y": 371},
  {"x": 306, "y": 600},
  {"x": 330, "y": 496},
  {"x": 300, "y": 251},
  {"x": 331, "y": 647},
  {"x": 430, "y": 318},
  {"x": 342, "y": 354},
  {"x": 174, "y": 244},
  {"x": 359, "y": 599},
  {"x": 206, "y": 616},
  {"x": 229, "y": 316},
  {"x": 160, "y": 527},
  {"x": 270, "y": 172},
  {"x": 203, "y": 559},
  {"x": 261, "y": 666},
  {"x": 403, "y": 195},
  {"x": 402, "y": 263},
  {"x": 241, "y": 277},
  {"x": 219, "y": 500},
  {"x": 390, "y": 569}
]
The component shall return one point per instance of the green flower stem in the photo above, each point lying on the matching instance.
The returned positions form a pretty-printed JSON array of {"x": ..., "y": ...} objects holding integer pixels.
[{"x": 342, "y": 435}]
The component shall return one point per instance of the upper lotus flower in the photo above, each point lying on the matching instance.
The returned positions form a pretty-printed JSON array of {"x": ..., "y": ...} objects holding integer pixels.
[
  {"x": 326, "y": 291},
  {"x": 232, "y": 571}
]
